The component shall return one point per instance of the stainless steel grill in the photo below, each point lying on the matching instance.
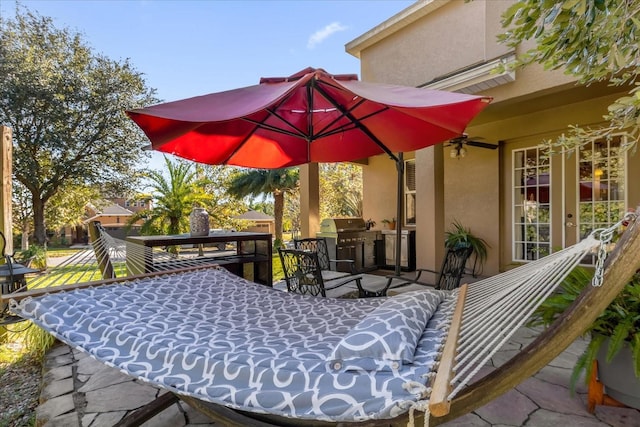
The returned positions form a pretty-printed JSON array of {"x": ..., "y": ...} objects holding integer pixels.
[{"x": 348, "y": 238}]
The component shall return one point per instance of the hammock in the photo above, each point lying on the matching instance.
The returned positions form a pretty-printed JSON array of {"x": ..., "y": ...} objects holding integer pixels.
[{"x": 300, "y": 360}]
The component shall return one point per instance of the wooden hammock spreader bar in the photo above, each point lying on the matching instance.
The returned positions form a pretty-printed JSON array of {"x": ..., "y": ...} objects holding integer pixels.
[
  {"x": 439, "y": 402},
  {"x": 620, "y": 267}
]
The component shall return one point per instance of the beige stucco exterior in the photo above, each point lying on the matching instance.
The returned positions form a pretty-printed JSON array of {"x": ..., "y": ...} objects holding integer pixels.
[{"x": 435, "y": 40}]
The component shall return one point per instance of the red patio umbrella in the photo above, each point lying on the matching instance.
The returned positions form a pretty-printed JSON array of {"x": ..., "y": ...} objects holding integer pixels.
[{"x": 311, "y": 116}]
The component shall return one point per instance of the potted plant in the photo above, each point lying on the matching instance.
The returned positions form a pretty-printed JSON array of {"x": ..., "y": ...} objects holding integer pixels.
[
  {"x": 391, "y": 223},
  {"x": 615, "y": 336},
  {"x": 458, "y": 235}
]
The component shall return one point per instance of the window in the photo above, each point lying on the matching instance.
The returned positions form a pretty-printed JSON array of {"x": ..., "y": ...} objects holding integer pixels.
[
  {"x": 531, "y": 204},
  {"x": 601, "y": 178},
  {"x": 410, "y": 192},
  {"x": 127, "y": 204}
]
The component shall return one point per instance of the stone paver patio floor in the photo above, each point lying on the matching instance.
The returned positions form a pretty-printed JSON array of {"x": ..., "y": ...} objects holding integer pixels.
[{"x": 79, "y": 391}]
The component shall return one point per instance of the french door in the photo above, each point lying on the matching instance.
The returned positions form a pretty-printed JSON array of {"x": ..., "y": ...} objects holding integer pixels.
[
  {"x": 557, "y": 201},
  {"x": 600, "y": 187},
  {"x": 531, "y": 204}
]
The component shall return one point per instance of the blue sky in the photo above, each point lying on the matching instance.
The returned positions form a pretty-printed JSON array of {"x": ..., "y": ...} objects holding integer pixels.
[{"x": 189, "y": 48}]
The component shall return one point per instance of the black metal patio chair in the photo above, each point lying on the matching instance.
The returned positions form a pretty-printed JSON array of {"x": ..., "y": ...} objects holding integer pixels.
[
  {"x": 303, "y": 274},
  {"x": 319, "y": 245},
  {"x": 449, "y": 275}
]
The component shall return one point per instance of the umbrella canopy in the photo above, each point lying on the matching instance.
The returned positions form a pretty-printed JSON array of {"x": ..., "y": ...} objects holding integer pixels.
[{"x": 311, "y": 116}]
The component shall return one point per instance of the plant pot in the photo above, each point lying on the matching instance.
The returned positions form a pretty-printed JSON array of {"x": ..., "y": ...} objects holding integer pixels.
[
  {"x": 618, "y": 377},
  {"x": 392, "y": 226}
]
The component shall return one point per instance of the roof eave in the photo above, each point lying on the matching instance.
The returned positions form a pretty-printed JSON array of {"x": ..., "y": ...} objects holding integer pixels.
[{"x": 393, "y": 24}]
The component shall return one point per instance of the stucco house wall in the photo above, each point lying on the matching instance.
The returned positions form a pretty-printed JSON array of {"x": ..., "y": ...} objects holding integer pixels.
[{"x": 431, "y": 41}]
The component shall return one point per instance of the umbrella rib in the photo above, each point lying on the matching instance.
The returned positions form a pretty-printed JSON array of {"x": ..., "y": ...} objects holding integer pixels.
[
  {"x": 322, "y": 133},
  {"x": 350, "y": 125},
  {"x": 310, "y": 112},
  {"x": 240, "y": 145},
  {"x": 262, "y": 125},
  {"x": 356, "y": 122},
  {"x": 258, "y": 124}
]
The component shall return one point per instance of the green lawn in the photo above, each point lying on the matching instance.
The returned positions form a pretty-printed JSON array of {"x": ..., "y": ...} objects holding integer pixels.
[
  {"x": 276, "y": 267},
  {"x": 60, "y": 252},
  {"x": 70, "y": 274}
]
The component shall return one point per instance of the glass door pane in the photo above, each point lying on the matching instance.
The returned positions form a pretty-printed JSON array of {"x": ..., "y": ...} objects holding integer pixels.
[
  {"x": 601, "y": 180},
  {"x": 531, "y": 204}
]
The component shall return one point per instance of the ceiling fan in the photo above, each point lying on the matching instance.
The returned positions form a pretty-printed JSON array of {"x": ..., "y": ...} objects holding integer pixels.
[{"x": 458, "y": 149}]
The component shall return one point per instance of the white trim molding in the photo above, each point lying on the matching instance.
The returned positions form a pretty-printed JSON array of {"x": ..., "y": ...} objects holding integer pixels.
[{"x": 477, "y": 78}]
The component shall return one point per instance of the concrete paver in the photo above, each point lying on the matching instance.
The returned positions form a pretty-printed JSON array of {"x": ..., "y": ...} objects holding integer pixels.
[{"x": 101, "y": 396}]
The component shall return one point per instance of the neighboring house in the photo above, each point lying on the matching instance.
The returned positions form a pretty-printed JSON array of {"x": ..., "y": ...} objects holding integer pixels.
[
  {"x": 132, "y": 205},
  {"x": 523, "y": 203},
  {"x": 261, "y": 222},
  {"x": 115, "y": 214}
]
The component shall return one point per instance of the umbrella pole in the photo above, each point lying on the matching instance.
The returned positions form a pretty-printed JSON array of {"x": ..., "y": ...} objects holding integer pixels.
[{"x": 400, "y": 192}]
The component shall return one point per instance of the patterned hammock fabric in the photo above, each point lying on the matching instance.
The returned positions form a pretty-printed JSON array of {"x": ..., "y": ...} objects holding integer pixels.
[{"x": 217, "y": 337}]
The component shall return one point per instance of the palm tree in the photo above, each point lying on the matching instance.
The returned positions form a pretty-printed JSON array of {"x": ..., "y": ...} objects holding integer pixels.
[
  {"x": 261, "y": 182},
  {"x": 174, "y": 197}
]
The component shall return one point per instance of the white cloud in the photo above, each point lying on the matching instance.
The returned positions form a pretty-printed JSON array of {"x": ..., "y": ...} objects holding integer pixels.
[{"x": 320, "y": 35}]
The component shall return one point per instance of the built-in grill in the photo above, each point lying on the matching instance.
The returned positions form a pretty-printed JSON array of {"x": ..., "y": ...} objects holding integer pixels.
[{"x": 348, "y": 238}]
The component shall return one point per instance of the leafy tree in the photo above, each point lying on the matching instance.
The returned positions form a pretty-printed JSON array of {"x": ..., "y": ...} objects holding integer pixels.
[
  {"x": 263, "y": 206},
  {"x": 174, "y": 197},
  {"x": 263, "y": 182},
  {"x": 67, "y": 207},
  {"x": 594, "y": 40},
  {"x": 66, "y": 107},
  {"x": 22, "y": 212},
  {"x": 340, "y": 190},
  {"x": 222, "y": 207},
  {"x": 291, "y": 216}
]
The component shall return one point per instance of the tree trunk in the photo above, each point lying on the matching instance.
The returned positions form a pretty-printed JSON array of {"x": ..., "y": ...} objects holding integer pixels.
[
  {"x": 278, "y": 211},
  {"x": 39, "y": 228},
  {"x": 24, "y": 242}
]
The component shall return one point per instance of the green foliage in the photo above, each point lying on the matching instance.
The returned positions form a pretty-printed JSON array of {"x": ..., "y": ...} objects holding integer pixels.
[
  {"x": 32, "y": 342},
  {"x": 65, "y": 105},
  {"x": 340, "y": 190},
  {"x": 174, "y": 197},
  {"x": 459, "y": 235},
  {"x": 265, "y": 182},
  {"x": 67, "y": 206},
  {"x": 38, "y": 342},
  {"x": 593, "y": 40},
  {"x": 222, "y": 207},
  {"x": 36, "y": 254},
  {"x": 620, "y": 321},
  {"x": 276, "y": 268},
  {"x": 277, "y": 243}
]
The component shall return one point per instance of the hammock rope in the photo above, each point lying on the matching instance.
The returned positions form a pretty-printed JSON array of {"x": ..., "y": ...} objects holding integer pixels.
[
  {"x": 496, "y": 307},
  {"x": 85, "y": 264}
]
